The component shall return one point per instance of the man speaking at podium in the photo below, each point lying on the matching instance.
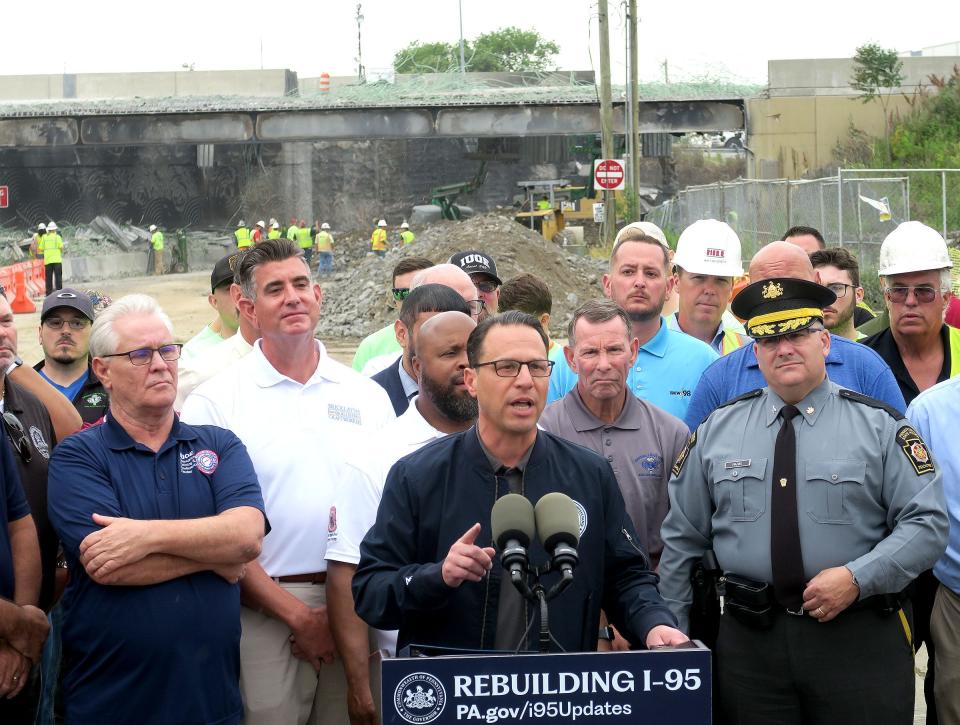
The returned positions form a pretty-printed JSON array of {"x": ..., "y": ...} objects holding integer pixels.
[{"x": 428, "y": 566}]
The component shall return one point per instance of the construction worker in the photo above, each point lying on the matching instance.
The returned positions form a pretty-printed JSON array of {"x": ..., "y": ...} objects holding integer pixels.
[
  {"x": 259, "y": 232},
  {"x": 705, "y": 266},
  {"x": 35, "y": 242},
  {"x": 157, "y": 241},
  {"x": 243, "y": 236},
  {"x": 305, "y": 241},
  {"x": 324, "y": 245},
  {"x": 378, "y": 240},
  {"x": 274, "y": 232},
  {"x": 292, "y": 230},
  {"x": 543, "y": 204},
  {"x": 51, "y": 246},
  {"x": 405, "y": 234}
]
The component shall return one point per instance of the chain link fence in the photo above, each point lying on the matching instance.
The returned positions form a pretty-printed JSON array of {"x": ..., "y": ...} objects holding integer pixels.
[{"x": 855, "y": 209}]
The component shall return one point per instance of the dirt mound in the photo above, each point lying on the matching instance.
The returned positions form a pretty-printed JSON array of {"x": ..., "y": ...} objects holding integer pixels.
[{"x": 357, "y": 297}]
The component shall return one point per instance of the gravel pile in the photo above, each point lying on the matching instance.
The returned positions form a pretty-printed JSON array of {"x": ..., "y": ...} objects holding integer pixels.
[{"x": 357, "y": 297}]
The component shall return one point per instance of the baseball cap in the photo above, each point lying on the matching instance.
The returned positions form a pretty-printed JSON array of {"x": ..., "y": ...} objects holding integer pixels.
[
  {"x": 474, "y": 262},
  {"x": 223, "y": 270},
  {"x": 68, "y": 297}
]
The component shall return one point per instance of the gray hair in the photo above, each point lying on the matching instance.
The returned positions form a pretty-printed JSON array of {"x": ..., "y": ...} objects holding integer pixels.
[
  {"x": 103, "y": 336},
  {"x": 269, "y": 250},
  {"x": 597, "y": 311},
  {"x": 945, "y": 280}
]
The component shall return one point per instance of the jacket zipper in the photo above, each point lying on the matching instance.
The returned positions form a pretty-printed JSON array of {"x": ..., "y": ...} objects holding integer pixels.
[
  {"x": 626, "y": 535},
  {"x": 486, "y": 591}
]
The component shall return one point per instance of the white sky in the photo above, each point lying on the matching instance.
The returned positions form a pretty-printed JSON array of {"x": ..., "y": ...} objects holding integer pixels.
[{"x": 731, "y": 40}]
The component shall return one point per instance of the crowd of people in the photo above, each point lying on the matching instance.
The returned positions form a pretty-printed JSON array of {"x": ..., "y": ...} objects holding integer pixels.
[{"x": 240, "y": 528}]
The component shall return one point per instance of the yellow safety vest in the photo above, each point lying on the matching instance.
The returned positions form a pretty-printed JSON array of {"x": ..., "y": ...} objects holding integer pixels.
[
  {"x": 378, "y": 240},
  {"x": 954, "y": 335},
  {"x": 157, "y": 240},
  {"x": 303, "y": 238},
  {"x": 407, "y": 236},
  {"x": 243, "y": 238},
  {"x": 273, "y": 234},
  {"x": 52, "y": 247},
  {"x": 543, "y": 205},
  {"x": 732, "y": 340},
  {"x": 292, "y": 232},
  {"x": 324, "y": 241}
]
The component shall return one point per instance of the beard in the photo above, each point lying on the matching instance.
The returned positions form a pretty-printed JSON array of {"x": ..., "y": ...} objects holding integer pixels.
[
  {"x": 843, "y": 316},
  {"x": 457, "y": 407}
]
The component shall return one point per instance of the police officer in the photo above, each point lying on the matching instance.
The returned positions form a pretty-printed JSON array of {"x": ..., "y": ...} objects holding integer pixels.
[{"x": 821, "y": 505}]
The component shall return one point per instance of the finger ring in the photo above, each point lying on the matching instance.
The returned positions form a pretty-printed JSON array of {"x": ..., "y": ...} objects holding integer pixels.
[{"x": 821, "y": 612}]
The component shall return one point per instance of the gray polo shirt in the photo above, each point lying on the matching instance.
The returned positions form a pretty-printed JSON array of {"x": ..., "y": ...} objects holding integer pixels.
[{"x": 641, "y": 446}]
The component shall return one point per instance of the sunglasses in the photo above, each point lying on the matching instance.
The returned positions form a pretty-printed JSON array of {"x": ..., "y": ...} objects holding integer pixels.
[
  {"x": 924, "y": 294},
  {"x": 18, "y": 436}
]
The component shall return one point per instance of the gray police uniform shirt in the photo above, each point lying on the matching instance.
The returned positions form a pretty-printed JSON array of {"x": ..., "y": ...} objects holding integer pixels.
[
  {"x": 641, "y": 446},
  {"x": 870, "y": 496}
]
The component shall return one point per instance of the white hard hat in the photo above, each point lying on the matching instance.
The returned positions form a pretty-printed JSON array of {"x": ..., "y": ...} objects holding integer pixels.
[
  {"x": 709, "y": 246},
  {"x": 153, "y": 227},
  {"x": 41, "y": 225},
  {"x": 275, "y": 225},
  {"x": 324, "y": 226},
  {"x": 648, "y": 228},
  {"x": 404, "y": 226},
  {"x": 912, "y": 247},
  {"x": 241, "y": 223},
  {"x": 382, "y": 223},
  {"x": 261, "y": 224},
  {"x": 51, "y": 226}
]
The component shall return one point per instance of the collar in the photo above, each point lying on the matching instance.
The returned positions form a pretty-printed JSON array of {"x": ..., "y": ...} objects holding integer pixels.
[
  {"x": 415, "y": 426},
  {"x": 117, "y": 438},
  {"x": 11, "y": 397},
  {"x": 480, "y": 453},
  {"x": 717, "y": 339},
  {"x": 630, "y": 418},
  {"x": 885, "y": 345},
  {"x": 657, "y": 345},
  {"x": 809, "y": 407},
  {"x": 410, "y": 386},
  {"x": 265, "y": 375}
]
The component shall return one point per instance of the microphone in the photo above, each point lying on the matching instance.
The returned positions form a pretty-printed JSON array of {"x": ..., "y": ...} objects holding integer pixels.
[
  {"x": 558, "y": 524},
  {"x": 512, "y": 521}
]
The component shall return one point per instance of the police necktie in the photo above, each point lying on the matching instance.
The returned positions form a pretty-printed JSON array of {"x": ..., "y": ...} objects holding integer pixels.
[{"x": 786, "y": 559}]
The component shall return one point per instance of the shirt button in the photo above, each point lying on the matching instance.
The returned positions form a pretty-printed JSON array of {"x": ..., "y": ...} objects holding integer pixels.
[
  {"x": 609, "y": 442},
  {"x": 610, "y": 458},
  {"x": 833, "y": 477},
  {"x": 735, "y": 474},
  {"x": 163, "y": 475}
]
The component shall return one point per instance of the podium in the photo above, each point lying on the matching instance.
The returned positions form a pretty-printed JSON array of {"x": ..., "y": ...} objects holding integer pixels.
[{"x": 645, "y": 686}]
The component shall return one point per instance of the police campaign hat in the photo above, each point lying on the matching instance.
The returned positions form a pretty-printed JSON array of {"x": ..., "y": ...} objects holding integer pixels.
[
  {"x": 779, "y": 306},
  {"x": 223, "y": 270}
]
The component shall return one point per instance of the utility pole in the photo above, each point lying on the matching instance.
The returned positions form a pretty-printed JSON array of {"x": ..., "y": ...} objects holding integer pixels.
[
  {"x": 360, "y": 72},
  {"x": 634, "y": 108},
  {"x": 463, "y": 65},
  {"x": 666, "y": 72},
  {"x": 606, "y": 124}
]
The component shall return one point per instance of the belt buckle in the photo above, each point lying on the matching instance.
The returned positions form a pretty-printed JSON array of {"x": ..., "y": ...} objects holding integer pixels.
[{"x": 801, "y": 612}]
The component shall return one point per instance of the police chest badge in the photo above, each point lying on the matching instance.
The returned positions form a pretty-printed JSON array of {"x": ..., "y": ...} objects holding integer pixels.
[
  {"x": 682, "y": 458},
  {"x": 915, "y": 450},
  {"x": 39, "y": 442}
]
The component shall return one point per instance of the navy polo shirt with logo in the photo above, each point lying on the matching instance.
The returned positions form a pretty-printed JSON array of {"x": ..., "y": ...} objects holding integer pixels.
[
  {"x": 163, "y": 653},
  {"x": 13, "y": 506}
]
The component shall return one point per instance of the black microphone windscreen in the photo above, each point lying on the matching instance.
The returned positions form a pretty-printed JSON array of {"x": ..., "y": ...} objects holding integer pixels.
[
  {"x": 512, "y": 518},
  {"x": 557, "y": 520}
]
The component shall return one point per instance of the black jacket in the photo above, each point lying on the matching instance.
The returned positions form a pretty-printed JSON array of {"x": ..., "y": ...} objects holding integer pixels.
[
  {"x": 92, "y": 400},
  {"x": 434, "y": 495},
  {"x": 389, "y": 380}
]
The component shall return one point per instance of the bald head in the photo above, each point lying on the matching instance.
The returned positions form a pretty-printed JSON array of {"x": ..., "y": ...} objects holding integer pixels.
[
  {"x": 444, "y": 325},
  {"x": 781, "y": 259},
  {"x": 449, "y": 275}
]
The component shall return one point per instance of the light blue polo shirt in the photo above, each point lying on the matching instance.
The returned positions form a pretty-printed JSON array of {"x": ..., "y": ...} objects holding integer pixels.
[
  {"x": 934, "y": 413},
  {"x": 666, "y": 372}
]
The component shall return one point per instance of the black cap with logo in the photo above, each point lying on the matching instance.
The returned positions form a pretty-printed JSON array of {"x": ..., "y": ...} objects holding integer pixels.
[
  {"x": 68, "y": 297},
  {"x": 474, "y": 262}
]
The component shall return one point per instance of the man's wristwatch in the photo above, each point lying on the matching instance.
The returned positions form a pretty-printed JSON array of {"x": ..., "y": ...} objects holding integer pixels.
[
  {"x": 606, "y": 633},
  {"x": 17, "y": 362}
]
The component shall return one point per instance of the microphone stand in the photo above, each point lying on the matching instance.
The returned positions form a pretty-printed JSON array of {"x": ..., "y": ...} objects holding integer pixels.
[{"x": 540, "y": 596}]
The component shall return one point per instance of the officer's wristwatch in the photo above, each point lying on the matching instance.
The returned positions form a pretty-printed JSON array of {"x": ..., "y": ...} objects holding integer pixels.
[
  {"x": 606, "y": 633},
  {"x": 17, "y": 362}
]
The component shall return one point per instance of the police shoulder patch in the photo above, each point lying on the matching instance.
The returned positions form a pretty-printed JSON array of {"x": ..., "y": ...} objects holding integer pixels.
[
  {"x": 872, "y": 402},
  {"x": 684, "y": 453},
  {"x": 915, "y": 450}
]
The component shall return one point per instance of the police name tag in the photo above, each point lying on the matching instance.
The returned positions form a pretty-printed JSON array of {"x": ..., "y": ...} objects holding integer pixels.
[
  {"x": 737, "y": 464},
  {"x": 648, "y": 686}
]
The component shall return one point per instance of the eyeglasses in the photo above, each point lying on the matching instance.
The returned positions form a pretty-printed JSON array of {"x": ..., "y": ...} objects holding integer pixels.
[
  {"x": 476, "y": 307},
  {"x": 18, "y": 437},
  {"x": 401, "y": 293},
  {"x": 924, "y": 293},
  {"x": 511, "y": 368},
  {"x": 76, "y": 324},
  {"x": 143, "y": 355},
  {"x": 840, "y": 289},
  {"x": 486, "y": 287},
  {"x": 794, "y": 338}
]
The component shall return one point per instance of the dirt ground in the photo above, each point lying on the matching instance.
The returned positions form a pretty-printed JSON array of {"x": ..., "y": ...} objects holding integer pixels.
[{"x": 182, "y": 296}]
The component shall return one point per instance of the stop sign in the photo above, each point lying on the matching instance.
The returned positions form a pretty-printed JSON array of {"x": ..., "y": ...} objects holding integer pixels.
[
  {"x": 609, "y": 174},
  {"x": 4, "y": 197}
]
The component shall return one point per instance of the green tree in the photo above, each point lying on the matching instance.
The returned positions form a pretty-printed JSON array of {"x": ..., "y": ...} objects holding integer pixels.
[
  {"x": 877, "y": 72},
  {"x": 505, "y": 50}
]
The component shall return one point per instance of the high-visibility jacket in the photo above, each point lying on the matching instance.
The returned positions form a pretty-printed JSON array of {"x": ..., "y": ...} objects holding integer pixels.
[
  {"x": 407, "y": 236},
  {"x": 732, "y": 340},
  {"x": 292, "y": 232},
  {"x": 35, "y": 246},
  {"x": 543, "y": 205},
  {"x": 157, "y": 240},
  {"x": 303, "y": 238},
  {"x": 273, "y": 234},
  {"x": 378, "y": 240},
  {"x": 243, "y": 238},
  {"x": 51, "y": 244},
  {"x": 324, "y": 241},
  {"x": 954, "y": 334}
]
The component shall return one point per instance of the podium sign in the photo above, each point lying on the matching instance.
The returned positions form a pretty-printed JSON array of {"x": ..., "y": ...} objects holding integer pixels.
[{"x": 655, "y": 686}]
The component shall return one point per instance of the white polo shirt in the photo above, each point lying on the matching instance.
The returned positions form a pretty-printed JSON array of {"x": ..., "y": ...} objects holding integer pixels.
[
  {"x": 200, "y": 367},
  {"x": 295, "y": 435},
  {"x": 358, "y": 495}
]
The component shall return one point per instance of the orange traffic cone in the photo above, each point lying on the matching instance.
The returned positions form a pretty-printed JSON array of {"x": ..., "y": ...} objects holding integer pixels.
[{"x": 22, "y": 301}]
